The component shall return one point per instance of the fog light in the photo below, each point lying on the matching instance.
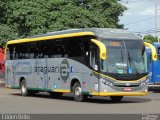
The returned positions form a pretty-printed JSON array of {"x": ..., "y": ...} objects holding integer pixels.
[
  {"x": 146, "y": 90},
  {"x": 143, "y": 83}
]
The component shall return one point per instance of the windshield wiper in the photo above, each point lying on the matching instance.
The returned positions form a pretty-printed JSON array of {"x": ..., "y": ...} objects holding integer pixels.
[
  {"x": 132, "y": 63},
  {"x": 122, "y": 57}
]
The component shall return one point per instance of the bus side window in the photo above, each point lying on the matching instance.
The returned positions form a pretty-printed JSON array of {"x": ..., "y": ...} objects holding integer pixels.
[
  {"x": 86, "y": 50},
  {"x": 74, "y": 49},
  {"x": 51, "y": 50},
  {"x": 149, "y": 58},
  {"x": 8, "y": 56},
  {"x": 58, "y": 48},
  {"x": 31, "y": 50},
  {"x": 158, "y": 53}
]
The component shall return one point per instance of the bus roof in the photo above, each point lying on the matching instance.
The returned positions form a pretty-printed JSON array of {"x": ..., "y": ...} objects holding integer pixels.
[{"x": 97, "y": 32}]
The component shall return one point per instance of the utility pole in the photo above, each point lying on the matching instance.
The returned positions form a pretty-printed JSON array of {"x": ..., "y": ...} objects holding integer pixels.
[{"x": 155, "y": 12}]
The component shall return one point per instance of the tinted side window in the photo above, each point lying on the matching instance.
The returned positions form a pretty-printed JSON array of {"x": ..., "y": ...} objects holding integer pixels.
[
  {"x": 57, "y": 48},
  {"x": 159, "y": 53},
  {"x": 87, "y": 43},
  {"x": 149, "y": 58},
  {"x": 17, "y": 51},
  {"x": 49, "y": 49},
  {"x": 41, "y": 49},
  {"x": 73, "y": 49},
  {"x": 21, "y": 51},
  {"x": 9, "y": 52},
  {"x": 32, "y": 50}
]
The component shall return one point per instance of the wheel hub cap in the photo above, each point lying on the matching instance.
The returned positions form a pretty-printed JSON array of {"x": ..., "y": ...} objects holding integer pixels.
[
  {"x": 23, "y": 88},
  {"x": 78, "y": 91}
]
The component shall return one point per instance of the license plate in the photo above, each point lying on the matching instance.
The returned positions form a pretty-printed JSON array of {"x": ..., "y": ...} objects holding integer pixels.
[{"x": 127, "y": 89}]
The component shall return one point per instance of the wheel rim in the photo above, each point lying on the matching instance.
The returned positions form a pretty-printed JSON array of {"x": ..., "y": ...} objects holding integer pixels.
[
  {"x": 23, "y": 88},
  {"x": 78, "y": 91}
]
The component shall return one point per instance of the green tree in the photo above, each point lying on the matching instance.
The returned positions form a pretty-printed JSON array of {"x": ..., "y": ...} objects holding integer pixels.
[
  {"x": 22, "y": 18},
  {"x": 150, "y": 39}
]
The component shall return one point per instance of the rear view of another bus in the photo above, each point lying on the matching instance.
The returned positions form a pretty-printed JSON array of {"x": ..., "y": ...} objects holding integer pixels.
[{"x": 154, "y": 68}]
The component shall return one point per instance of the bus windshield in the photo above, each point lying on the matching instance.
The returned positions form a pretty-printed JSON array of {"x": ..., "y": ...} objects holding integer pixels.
[{"x": 124, "y": 57}]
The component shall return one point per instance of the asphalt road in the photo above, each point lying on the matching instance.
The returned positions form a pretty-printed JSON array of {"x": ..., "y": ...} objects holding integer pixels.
[{"x": 11, "y": 101}]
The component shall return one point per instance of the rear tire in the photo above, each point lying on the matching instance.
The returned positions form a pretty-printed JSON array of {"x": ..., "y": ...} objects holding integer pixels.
[
  {"x": 116, "y": 98},
  {"x": 24, "y": 90},
  {"x": 77, "y": 93}
]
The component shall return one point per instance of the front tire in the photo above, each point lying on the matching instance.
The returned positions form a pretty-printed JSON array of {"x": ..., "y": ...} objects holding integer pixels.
[
  {"x": 24, "y": 90},
  {"x": 77, "y": 93},
  {"x": 116, "y": 98}
]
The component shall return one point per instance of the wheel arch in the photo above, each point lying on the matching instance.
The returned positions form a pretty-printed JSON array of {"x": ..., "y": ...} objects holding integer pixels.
[
  {"x": 73, "y": 81},
  {"x": 21, "y": 79}
]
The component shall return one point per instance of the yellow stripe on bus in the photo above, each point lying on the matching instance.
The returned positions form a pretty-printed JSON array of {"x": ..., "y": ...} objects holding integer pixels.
[
  {"x": 119, "y": 93},
  {"x": 63, "y": 91},
  {"x": 50, "y": 37}
]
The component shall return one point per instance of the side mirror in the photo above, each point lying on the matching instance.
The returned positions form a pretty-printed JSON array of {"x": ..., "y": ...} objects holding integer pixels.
[
  {"x": 153, "y": 50},
  {"x": 102, "y": 48}
]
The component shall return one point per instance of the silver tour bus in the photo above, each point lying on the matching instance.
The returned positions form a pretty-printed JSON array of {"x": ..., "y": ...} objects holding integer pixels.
[{"x": 84, "y": 62}]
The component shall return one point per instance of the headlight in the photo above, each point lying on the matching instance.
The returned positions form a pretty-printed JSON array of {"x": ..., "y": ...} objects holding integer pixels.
[{"x": 106, "y": 82}]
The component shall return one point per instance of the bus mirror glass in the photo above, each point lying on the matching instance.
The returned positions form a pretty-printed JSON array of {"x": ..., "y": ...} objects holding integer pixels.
[{"x": 102, "y": 49}]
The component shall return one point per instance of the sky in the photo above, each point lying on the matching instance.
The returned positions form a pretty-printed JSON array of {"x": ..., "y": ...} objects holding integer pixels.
[{"x": 140, "y": 16}]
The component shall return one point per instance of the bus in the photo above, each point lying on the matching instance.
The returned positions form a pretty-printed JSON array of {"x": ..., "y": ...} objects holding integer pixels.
[
  {"x": 154, "y": 68},
  {"x": 84, "y": 62}
]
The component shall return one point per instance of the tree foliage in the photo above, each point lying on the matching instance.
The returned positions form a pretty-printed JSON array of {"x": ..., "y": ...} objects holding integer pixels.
[
  {"x": 22, "y": 18},
  {"x": 150, "y": 39}
]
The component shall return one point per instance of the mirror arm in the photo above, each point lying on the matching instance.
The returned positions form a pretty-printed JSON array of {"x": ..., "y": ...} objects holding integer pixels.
[
  {"x": 153, "y": 50},
  {"x": 102, "y": 48}
]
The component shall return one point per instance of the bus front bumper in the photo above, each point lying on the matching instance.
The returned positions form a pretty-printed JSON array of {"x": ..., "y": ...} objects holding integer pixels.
[{"x": 119, "y": 93}]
